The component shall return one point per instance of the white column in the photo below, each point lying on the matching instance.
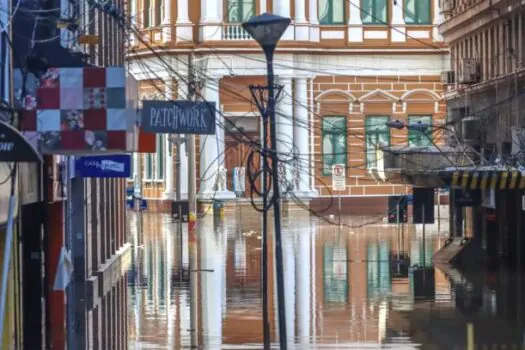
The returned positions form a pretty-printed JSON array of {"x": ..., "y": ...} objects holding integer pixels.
[
  {"x": 301, "y": 25},
  {"x": 166, "y": 22},
  {"x": 289, "y": 268},
  {"x": 301, "y": 130},
  {"x": 168, "y": 151},
  {"x": 282, "y": 8},
  {"x": 438, "y": 19},
  {"x": 284, "y": 127},
  {"x": 302, "y": 284},
  {"x": 314, "y": 20},
  {"x": 211, "y": 289},
  {"x": 262, "y": 7},
  {"x": 355, "y": 25},
  {"x": 398, "y": 30},
  {"x": 184, "y": 27},
  {"x": 211, "y": 20},
  {"x": 211, "y": 157}
]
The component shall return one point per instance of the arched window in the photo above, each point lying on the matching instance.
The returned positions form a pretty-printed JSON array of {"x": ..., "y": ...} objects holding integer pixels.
[
  {"x": 374, "y": 11},
  {"x": 239, "y": 11},
  {"x": 332, "y": 11},
  {"x": 417, "y": 11}
]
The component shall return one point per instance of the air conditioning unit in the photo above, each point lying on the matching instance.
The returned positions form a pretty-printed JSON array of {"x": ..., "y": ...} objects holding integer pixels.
[
  {"x": 471, "y": 130},
  {"x": 448, "y": 77},
  {"x": 469, "y": 71},
  {"x": 447, "y": 6}
]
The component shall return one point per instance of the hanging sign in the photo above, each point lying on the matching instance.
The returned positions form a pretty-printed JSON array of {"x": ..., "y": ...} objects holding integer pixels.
[
  {"x": 178, "y": 117},
  {"x": 110, "y": 166},
  {"x": 338, "y": 177},
  {"x": 14, "y": 147}
]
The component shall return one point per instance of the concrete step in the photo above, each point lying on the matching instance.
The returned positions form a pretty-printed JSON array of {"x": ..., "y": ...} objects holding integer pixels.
[{"x": 450, "y": 250}]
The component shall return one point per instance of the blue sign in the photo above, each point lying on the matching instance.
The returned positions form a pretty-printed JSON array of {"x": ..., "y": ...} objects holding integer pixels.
[
  {"x": 178, "y": 117},
  {"x": 110, "y": 166}
]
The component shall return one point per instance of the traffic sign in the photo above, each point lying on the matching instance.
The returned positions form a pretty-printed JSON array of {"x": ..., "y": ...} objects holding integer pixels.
[{"x": 338, "y": 177}]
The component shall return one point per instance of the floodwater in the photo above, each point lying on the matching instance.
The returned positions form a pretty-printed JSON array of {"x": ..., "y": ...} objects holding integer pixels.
[{"x": 367, "y": 285}]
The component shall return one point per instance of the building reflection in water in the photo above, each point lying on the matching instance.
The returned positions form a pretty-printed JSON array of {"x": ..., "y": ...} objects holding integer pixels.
[{"x": 344, "y": 287}]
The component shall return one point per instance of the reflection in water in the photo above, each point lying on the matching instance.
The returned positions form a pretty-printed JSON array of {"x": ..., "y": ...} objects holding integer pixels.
[{"x": 341, "y": 288}]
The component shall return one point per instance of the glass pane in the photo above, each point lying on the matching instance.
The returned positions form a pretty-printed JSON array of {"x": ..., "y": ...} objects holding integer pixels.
[
  {"x": 234, "y": 11},
  {"x": 248, "y": 9},
  {"x": 334, "y": 142},
  {"x": 324, "y": 12},
  {"x": 416, "y": 137},
  {"x": 410, "y": 11},
  {"x": 338, "y": 11},
  {"x": 423, "y": 11},
  {"x": 145, "y": 13},
  {"x": 380, "y": 11},
  {"x": 377, "y": 133},
  {"x": 366, "y": 11}
]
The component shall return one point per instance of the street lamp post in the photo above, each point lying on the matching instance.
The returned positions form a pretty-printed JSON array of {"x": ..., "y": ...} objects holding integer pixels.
[{"x": 267, "y": 30}]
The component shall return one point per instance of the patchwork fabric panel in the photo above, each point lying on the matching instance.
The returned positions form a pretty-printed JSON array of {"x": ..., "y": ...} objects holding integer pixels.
[{"x": 76, "y": 110}]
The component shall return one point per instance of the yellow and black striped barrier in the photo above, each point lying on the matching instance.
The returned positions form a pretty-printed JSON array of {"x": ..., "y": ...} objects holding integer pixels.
[{"x": 496, "y": 180}]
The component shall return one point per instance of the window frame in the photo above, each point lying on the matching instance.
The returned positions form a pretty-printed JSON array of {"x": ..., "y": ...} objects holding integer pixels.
[
  {"x": 331, "y": 13},
  {"x": 325, "y": 172},
  {"x": 375, "y": 20},
  {"x": 154, "y": 163},
  {"x": 417, "y": 17},
  {"x": 240, "y": 10},
  {"x": 416, "y": 117},
  {"x": 386, "y": 118}
]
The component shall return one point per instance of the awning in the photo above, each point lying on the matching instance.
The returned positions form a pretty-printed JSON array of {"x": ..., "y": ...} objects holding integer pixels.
[{"x": 485, "y": 179}]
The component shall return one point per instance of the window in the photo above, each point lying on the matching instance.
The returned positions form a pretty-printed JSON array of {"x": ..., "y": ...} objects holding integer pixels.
[
  {"x": 417, "y": 11},
  {"x": 159, "y": 12},
  {"x": 334, "y": 142},
  {"x": 377, "y": 134},
  {"x": 154, "y": 162},
  {"x": 146, "y": 12},
  {"x": 331, "y": 11},
  {"x": 240, "y": 10},
  {"x": 417, "y": 137},
  {"x": 373, "y": 11}
]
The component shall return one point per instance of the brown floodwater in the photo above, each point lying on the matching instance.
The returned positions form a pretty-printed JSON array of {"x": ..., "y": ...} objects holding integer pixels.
[{"x": 366, "y": 285}]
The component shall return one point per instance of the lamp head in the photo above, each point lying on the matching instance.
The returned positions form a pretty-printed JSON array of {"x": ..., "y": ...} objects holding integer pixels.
[
  {"x": 419, "y": 126},
  {"x": 267, "y": 29}
]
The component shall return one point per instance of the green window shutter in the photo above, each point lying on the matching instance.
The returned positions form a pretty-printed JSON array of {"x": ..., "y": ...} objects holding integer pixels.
[
  {"x": 334, "y": 145},
  {"x": 417, "y": 11},
  {"x": 416, "y": 137},
  {"x": 377, "y": 133},
  {"x": 160, "y": 157},
  {"x": 149, "y": 167}
]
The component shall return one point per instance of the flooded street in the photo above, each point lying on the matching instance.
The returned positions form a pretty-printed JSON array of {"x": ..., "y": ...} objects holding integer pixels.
[{"x": 371, "y": 285}]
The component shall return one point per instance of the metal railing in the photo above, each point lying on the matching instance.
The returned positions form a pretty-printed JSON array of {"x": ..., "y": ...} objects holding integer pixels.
[{"x": 234, "y": 32}]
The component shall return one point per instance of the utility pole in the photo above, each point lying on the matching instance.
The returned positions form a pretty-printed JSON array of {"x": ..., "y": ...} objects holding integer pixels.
[
  {"x": 190, "y": 141},
  {"x": 193, "y": 268}
]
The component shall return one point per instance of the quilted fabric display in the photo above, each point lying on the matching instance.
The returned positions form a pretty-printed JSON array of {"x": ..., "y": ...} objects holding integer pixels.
[{"x": 77, "y": 110}]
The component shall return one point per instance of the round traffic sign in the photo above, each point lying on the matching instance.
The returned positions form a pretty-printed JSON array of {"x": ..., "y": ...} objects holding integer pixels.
[{"x": 338, "y": 170}]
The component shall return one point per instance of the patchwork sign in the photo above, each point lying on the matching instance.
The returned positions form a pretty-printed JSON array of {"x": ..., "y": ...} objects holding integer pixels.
[
  {"x": 77, "y": 110},
  {"x": 178, "y": 117}
]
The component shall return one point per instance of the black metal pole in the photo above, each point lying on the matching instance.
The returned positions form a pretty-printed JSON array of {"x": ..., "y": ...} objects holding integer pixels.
[
  {"x": 268, "y": 51},
  {"x": 266, "y": 320}
]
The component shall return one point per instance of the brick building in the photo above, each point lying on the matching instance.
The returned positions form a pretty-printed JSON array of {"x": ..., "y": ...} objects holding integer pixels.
[{"x": 347, "y": 67}]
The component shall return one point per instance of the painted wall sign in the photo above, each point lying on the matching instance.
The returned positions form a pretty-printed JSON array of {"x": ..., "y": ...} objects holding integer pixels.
[
  {"x": 178, "y": 117},
  {"x": 14, "y": 147},
  {"x": 110, "y": 166}
]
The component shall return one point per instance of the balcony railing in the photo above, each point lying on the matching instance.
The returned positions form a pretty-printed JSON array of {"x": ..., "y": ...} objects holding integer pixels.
[{"x": 235, "y": 32}]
